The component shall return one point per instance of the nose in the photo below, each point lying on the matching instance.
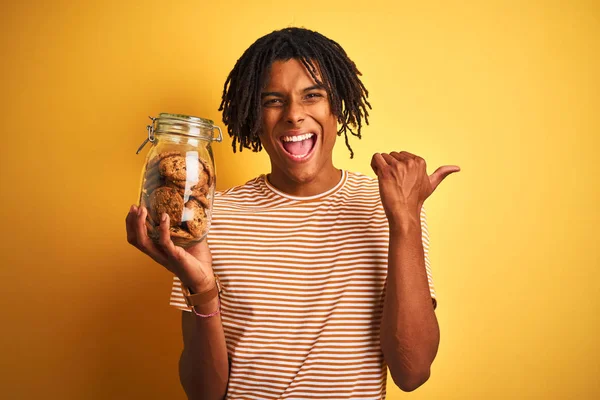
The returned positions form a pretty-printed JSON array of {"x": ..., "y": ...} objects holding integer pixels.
[{"x": 294, "y": 113}]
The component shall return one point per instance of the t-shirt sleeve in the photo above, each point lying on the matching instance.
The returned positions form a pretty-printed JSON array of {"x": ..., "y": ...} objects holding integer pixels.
[
  {"x": 177, "y": 299},
  {"x": 425, "y": 239}
]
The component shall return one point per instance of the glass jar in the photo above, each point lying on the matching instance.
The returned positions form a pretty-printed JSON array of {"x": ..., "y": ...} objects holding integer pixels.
[{"x": 179, "y": 177}]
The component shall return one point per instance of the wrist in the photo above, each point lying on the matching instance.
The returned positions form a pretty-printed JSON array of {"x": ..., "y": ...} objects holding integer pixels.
[
  {"x": 203, "y": 286},
  {"x": 404, "y": 222},
  {"x": 202, "y": 294},
  {"x": 207, "y": 308}
]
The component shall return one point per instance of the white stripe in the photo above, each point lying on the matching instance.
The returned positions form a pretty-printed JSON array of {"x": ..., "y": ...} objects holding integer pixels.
[
  {"x": 325, "y": 359},
  {"x": 300, "y": 355},
  {"x": 298, "y": 232},
  {"x": 293, "y": 259},
  {"x": 346, "y": 331}
]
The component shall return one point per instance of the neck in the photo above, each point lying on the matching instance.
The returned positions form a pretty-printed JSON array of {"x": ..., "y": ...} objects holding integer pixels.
[{"x": 305, "y": 187}]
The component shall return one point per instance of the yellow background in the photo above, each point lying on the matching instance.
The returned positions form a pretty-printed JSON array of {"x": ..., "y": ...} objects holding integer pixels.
[{"x": 510, "y": 91}]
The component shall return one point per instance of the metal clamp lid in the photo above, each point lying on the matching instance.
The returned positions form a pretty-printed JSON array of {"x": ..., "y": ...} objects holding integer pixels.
[
  {"x": 150, "y": 138},
  {"x": 153, "y": 127},
  {"x": 220, "y": 137}
]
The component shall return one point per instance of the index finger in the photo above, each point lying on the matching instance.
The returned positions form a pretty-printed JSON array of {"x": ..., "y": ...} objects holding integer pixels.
[
  {"x": 144, "y": 242},
  {"x": 130, "y": 225},
  {"x": 377, "y": 163}
]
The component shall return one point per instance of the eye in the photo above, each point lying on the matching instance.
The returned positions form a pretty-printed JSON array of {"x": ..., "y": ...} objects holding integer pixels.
[
  {"x": 313, "y": 96},
  {"x": 272, "y": 103}
]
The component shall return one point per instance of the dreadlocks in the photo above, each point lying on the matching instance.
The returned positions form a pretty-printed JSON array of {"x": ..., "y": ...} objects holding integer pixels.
[{"x": 241, "y": 104}]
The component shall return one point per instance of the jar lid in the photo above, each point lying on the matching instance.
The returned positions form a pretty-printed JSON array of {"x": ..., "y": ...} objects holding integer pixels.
[
  {"x": 184, "y": 125},
  {"x": 186, "y": 118},
  {"x": 180, "y": 124}
]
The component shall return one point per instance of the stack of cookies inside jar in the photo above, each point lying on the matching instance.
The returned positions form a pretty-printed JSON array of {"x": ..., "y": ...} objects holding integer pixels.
[{"x": 179, "y": 184}]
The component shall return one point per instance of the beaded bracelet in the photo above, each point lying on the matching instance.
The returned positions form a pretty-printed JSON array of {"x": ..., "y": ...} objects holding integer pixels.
[{"x": 211, "y": 314}]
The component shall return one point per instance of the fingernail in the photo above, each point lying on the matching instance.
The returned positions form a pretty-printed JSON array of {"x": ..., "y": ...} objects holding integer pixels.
[
  {"x": 139, "y": 213},
  {"x": 132, "y": 209},
  {"x": 164, "y": 217}
]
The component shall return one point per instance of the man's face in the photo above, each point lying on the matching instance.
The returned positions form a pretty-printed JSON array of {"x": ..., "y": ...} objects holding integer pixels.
[{"x": 298, "y": 129}]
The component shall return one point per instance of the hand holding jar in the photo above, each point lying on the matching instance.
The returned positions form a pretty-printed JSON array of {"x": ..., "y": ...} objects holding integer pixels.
[
  {"x": 176, "y": 196},
  {"x": 193, "y": 265}
]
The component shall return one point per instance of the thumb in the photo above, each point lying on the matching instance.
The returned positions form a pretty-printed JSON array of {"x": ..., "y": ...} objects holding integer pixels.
[{"x": 441, "y": 173}]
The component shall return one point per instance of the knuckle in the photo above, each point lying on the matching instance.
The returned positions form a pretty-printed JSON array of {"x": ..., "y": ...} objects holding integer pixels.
[
  {"x": 142, "y": 243},
  {"x": 177, "y": 257}
]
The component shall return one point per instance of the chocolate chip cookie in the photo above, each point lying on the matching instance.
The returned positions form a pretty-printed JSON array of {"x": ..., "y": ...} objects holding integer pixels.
[
  {"x": 151, "y": 182},
  {"x": 197, "y": 222},
  {"x": 179, "y": 168},
  {"x": 203, "y": 201},
  {"x": 210, "y": 175},
  {"x": 195, "y": 181},
  {"x": 153, "y": 162},
  {"x": 186, "y": 194},
  {"x": 166, "y": 200},
  {"x": 179, "y": 233}
]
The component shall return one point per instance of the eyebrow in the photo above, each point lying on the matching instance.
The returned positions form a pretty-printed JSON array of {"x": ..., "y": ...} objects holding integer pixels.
[{"x": 277, "y": 94}]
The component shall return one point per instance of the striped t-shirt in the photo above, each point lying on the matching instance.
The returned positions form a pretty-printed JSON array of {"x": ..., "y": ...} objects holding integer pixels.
[{"x": 303, "y": 281}]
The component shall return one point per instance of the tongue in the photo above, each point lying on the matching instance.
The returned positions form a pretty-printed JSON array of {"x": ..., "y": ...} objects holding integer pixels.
[{"x": 298, "y": 148}]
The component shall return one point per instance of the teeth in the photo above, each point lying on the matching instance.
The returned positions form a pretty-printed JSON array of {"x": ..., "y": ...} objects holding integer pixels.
[{"x": 297, "y": 138}]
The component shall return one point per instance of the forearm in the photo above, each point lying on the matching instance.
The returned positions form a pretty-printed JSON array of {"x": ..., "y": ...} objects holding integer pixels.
[
  {"x": 409, "y": 328},
  {"x": 204, "y": 366}
]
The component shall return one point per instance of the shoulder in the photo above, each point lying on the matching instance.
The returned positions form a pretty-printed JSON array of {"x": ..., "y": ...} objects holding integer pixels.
[
  {"x": 250, "y": 188},
  {"x": 361, "y": 192},
  {"x": 358, "y": 182},
  {"x": 251, "y": 196}
]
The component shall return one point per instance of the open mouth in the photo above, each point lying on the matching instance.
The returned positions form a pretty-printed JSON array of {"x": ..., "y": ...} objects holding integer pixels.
[{"x": 299, "y": 147}]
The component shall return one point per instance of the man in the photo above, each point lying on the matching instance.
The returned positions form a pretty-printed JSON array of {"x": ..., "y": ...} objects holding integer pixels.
[{"x": 324, "y": 273}]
